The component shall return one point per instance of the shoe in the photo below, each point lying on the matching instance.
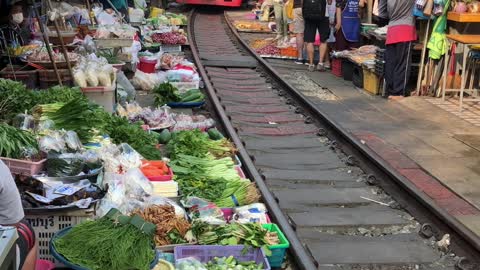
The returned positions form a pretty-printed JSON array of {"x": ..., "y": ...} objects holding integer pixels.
[
  {"x": 327, "y": 66},
  {"x": 299, "y": 62},
  {"x": 321, "y": 67},
  {"x": 311, "y": 68}
]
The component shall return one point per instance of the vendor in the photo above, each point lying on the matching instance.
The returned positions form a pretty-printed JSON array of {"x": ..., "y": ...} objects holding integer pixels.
[
  {"x": 11, "y": 214},
  {"x": 400, "y": 36},
  {"x": 120, "y": 5},
  {"x": 348, "y": 24}
]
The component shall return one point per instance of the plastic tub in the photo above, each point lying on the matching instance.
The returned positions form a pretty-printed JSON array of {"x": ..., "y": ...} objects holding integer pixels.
[
  {"x": 371, "y": 82},
  {"x": 103, "y": 96},
  {"x": 357, "y": 77},
  {"x": 337, "y": 67},
  {"x": 347, "y": 70},
  {"x": 278, "y": 251},
  {"x": 206, "y": 253},
  {"x": 162, "y": 178},
  {"x": 147, "y": 65}
]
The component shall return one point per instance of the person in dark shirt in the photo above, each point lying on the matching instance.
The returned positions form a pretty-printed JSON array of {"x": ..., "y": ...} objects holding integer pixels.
[{"x": 298, "y": 29}]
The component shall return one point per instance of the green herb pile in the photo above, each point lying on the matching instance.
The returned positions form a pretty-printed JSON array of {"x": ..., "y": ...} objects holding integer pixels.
[
  {"x": 249, "y": 234},
  {"x": 108, "y": 54},
  {"x": 103, "y": 244},
  {"x": 166, "y": 92},
  {"x": 198, "y": 144},
  {"x": 121, "y": 130},
  {"x": 62, "y": 94},
  {"x": 81, "y": 116},
  {"x": 17, "y": 143},
  {"x": 15, "y": 98}
]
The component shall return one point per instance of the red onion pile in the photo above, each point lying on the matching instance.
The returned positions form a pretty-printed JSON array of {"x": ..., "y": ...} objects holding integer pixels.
[
  {"x": 169, "y": 38},
  {"x": 269, "y": 50}
]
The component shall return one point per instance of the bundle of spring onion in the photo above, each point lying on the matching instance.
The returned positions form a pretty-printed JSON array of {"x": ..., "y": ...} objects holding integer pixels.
[
  {"x": 106, "y": 244},
  {"x": 215, "y": 180},
  {"x": 198, "y": 144},
  {"x": 186, "y": 166},
  {"x": 78, "y": 115}
]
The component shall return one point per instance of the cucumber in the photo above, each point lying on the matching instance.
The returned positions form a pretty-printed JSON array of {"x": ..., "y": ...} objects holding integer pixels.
[
  {"x": 214, "y": 134},
  {"x": 193, "y": 98},
  {"x": 164, "y": 137}
]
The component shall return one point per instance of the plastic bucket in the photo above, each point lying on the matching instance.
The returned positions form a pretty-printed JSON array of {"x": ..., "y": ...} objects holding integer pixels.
[{"x": 147, "y": 65}]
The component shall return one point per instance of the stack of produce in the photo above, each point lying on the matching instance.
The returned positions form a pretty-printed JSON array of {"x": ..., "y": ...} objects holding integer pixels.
[
  {"x": 161, "y": 178},
  {"x": 169, "y": 38},
  {"x": 112, "y": 242},
  {"x": 250, "y": 234},
  {"x": 154, "y": 118},
  {"x": 167, "y": 93},
  {"x": 170, "y": 228}
]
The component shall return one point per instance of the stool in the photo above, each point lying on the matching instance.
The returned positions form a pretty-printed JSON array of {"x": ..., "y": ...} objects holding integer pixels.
[{"x": 466, "y": 41}]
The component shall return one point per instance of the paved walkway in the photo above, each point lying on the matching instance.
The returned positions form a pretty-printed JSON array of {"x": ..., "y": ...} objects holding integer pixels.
[{"x": 425, "y": 139}]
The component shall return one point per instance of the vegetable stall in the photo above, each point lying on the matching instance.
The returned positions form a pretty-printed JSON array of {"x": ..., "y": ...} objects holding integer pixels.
[{"x": 110, "y": 182}]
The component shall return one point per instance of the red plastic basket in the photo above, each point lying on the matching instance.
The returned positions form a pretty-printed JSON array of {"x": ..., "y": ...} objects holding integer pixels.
[
  {"x": 162, "y": 178},
  {"x": 337, "y": 67},
  {"x": 206, "y": 253},
  {"x": 146, "y": 65}
]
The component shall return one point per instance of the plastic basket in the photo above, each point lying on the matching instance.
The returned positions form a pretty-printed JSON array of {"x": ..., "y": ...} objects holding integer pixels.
[
  {"x": 206, "y": 253},
  {"x": 19, "y": 73},
  {"x": 24, "y": 167},
  {"x": 167, "y": 177},
  {"x": 47, "y": 78},
  {"x": 47, "y": 224},
  {"x": 278, "y": 251},
  {"x": 185, "y": 104},
  {"x": 357, "y": 76},
  {"x": 337, "y": 67},
  {"x": 64, "y": 261},
  {"x": 347, "y": 70}
]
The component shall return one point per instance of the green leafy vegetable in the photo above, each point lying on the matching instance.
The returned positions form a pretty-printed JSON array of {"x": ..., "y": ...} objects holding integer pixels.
[
  {"x": 198, "y": 144},
  {"x": 166, "y": 92},
  {"x": 17, "y": 143},
  {"x": 15, "y": 98}
]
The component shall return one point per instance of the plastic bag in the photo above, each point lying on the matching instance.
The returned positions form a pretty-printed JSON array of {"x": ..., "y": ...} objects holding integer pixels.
[
  {"x": 145, "y": 81},
  {"x": 256, "y": 213},
  {"x": 52, "y": 142},
  {"x": 103, "y": 76},
  {"x": 80, "y": 78},
  {"x": 72, "y": 141},
  {"x": 189, "y": 263},
  {"x": 204, "y": 210},
  {"x": 124, "y": 85},
  {"x": 45, "y": 125},
  {"x": 92, "y": 78},
  {"x": 61, "y": 165},
  {"x": 23, "y": 121},
  {"x": 119, "y": 159},
  {"x": 158, "y": 200}
]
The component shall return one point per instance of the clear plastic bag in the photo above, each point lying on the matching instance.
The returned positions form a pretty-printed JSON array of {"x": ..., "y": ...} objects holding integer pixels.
[
  {"x": 24, "y": 121},
  {"x": 61, "y": 165},
  {"x": 52, "y": 142},
  {"x": 123, "y": 84},
  {"x": 91, "y": 73},
  {"x": 44, "y": 125},
  {"x": 204, "y": 210},
  {"x": 189, "y": 263},
  {"x": 72, "y": 141}
]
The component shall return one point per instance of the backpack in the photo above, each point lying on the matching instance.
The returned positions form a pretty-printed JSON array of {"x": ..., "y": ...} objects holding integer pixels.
[{"x": 314, "y": 9}]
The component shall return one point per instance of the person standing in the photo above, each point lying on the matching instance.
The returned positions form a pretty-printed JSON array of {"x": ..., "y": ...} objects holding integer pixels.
[
  {"x": 315, "y": 15},
  {"x": 298, "y": 29},
  {"x": 348, "y": 24},
  {"x": 380, "y": 15},
  {"x": 280, "y": 19},
  {"x": 400, "y": 35}
]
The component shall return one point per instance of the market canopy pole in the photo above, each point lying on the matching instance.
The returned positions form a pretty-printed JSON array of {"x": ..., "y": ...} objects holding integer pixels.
[
  {"x": 60, "y": 37},
  {"x": 45, "y": 40}
]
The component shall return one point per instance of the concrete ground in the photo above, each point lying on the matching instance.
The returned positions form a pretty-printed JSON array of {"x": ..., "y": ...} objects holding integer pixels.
[{"x": 427, "y": 140}]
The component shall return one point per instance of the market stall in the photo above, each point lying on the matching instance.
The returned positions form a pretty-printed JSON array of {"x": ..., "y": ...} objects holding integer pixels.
[{"x": 109, "y": 183}]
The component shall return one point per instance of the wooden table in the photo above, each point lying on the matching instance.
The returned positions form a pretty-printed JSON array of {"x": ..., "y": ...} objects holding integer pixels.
[{"x": 466, "y": 41}]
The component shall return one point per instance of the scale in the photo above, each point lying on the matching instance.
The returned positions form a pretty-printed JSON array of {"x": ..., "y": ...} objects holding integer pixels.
[{"x": 8, "y": 250}]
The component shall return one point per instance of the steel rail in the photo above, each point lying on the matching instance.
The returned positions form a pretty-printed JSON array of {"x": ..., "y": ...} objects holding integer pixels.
[
  {"x": 366, "y": 153},
  {"x": 302, "y": 258}
]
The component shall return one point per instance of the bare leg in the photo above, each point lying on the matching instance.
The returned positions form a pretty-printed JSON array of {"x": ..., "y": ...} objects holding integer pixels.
[
  {"x": 323, "y": 51},
  {"x": 310, "y": 52},
  {"x": 31, "y": 259},
  {"x": 300, "y": 46}
]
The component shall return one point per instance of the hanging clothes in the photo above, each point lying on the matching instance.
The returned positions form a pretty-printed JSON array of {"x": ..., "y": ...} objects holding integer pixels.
[
  {"x": 438, "y": 44},
  {"x": 351, "y": 21}
]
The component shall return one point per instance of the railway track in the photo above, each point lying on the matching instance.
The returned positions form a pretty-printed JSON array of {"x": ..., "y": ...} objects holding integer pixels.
[{"x": 338, "y": 206}]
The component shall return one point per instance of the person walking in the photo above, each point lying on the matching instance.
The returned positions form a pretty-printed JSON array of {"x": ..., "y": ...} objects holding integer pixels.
[
  {"x": 348, "y": 24},
  {"x": 280, "y": 19},
  {"x": 298, "y": 29},
  {"x": 316, "y": 19},
  {"x": 398, "y": 58}
]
